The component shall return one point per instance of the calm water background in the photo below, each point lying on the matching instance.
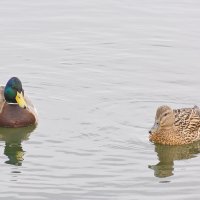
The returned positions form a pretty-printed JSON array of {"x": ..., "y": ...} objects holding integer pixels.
[{"x": 97, "y": 71}]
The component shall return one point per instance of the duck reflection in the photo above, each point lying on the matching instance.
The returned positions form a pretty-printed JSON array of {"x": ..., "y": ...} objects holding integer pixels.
[
  {"x": 168, "y": 154},
  {"x": 13, "y": 138}
]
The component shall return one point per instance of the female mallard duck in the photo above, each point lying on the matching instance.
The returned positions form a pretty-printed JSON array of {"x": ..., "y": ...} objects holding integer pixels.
[
  {"x": 176, "y": 127},
  {"x": 16, "y": 110}
]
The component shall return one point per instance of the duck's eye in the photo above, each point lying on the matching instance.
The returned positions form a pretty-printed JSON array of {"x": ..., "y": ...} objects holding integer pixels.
[{"x": 165, "y": 114}]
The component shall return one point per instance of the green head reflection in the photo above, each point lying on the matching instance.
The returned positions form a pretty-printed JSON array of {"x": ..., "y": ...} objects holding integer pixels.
[
  {"x": 168, "y": 154},
  {"x": 13, "y": 138}
]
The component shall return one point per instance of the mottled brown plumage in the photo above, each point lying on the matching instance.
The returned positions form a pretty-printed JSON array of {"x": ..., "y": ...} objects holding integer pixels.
[{"x": 176, "y": 127}]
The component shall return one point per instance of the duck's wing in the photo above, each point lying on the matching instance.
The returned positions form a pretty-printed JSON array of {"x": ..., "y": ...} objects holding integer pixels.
[
  {"x": 187, "y": 120},
  {"x": 2, "y": 99}
]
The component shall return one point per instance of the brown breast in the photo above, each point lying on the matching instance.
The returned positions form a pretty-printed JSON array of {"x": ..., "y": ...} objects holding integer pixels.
[{"x": 14, "y": 116}]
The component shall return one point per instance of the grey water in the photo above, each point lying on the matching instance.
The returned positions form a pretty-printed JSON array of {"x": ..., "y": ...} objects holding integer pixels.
[{"x": 96, "y": 71}]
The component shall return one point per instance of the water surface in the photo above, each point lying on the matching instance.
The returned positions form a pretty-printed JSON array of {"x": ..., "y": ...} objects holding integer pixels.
[{"x": 96, "y": 72}]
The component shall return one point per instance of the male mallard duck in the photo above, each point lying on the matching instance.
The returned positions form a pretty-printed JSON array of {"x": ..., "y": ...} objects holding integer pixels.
[
  {"x": 176, "y": 127},
  {"x": 16, "y": 110}
]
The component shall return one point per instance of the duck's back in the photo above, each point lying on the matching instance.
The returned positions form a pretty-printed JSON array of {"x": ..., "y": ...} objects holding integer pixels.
[
  {"x": 187, "y": 123},
  {"x": 2, "y": 99}
]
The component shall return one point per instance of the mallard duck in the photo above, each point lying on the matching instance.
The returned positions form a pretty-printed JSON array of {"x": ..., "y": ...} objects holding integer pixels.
[
  {"x": 176, "y": 127},
  {"x": 16, "y": 110}
]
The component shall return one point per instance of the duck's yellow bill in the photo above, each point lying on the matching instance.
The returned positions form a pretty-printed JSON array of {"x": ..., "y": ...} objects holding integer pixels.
[{"x": 20, "y": 100}]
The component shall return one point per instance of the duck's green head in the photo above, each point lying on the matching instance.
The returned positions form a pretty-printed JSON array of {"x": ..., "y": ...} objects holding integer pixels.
[{"x": 14, "y": 92}]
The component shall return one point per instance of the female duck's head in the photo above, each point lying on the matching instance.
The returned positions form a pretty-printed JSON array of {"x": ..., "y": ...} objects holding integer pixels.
[
  {"x": 14, "y": 92},
  {"x": 164, "y": 119}
]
